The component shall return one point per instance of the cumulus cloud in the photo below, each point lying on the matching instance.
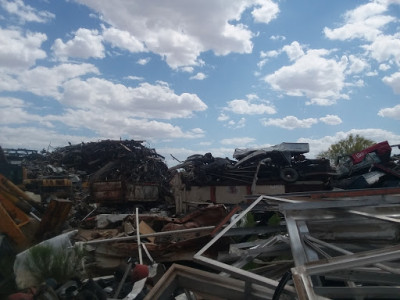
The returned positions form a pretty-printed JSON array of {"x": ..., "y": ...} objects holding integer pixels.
[
  {"x": 44, "y": 81},
  {"x": 85, "y": 44},
  {"x": 293, "y": 51},
  {"x": 385, "y": 48},
  {"x": 199, "y": 76},
  {"x": 24, "y": 12},
  {"x": 251, "y": 106},
  {"x": 331, "y": 120},
  {"x": 123, "y": 39},
  {"x": 357, "y": 65},
  {"x": 272, "y": 53},
  {"x": 390, "y": 112},
  {"x": 266, "y": 12},
  {"x": 364, "y": 22},
  {"x": 38, "y": 138},
  {"x": 393, "y": 81},
  {"x": 178, "y": 35},
  {"x": 311, "y": 75},
  {"x": 113, "y": 123},
  {"x": 289, "y": 122},
  {"x": 12, "y": 111},
  {"x": 384, "y": 67},
  {"x": 19, "y": 50},
  {"x": 145, "y": 100}
]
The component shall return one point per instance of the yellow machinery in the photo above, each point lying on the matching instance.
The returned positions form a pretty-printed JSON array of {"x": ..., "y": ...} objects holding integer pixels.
[{"x": 17, "y": 219}]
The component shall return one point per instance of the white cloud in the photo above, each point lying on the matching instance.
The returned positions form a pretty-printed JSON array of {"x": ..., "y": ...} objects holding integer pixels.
[
  {"x": 38, "y": 138},
  {"x": 145, "y": 100},
  {"x": 312, "y": 75},
  {"x": 272, "y": 53},
  {"x": 143, "y": 61},
  {"x": 385, "y": 48},
  {"x": 223, "y": 117},
  {"x": 187, "y": 69},
  {"x": 390, "y": 112},
  {"x": 123, "y": 39},
  {"x": 114, "y": 123},
  {"x": 357, "y": 65},
  {"x": 393, "y": 81},
  {"x": 321, "y": 101},
  {"x": 267, "y": 11},
  {"x": 178, "y": 35},
  {"x": 331, "y": 120},
  {"x": 26, "y": 13},
  {"x": 135, "y": 78},
  {"x": 364, "y": 22},
  {"x": 289, "y": 122},
  {"x": 85, "y": 44},
  {"x": 199, "y": 76},
  {"x": 232, "y": 123},
  {"x": 20, "y": 51},
  {"x": 277, "y": 37},
  {"x": 293, "y": 51},
  {"x": 384, "y": 67},
  {"x": 12, "y": 112},
  {"x": 237, "y": 141},
  {"x": 248, "y": 107},
  {"x": 44, "y": 81},
  {"x": 371, "y": 73}
]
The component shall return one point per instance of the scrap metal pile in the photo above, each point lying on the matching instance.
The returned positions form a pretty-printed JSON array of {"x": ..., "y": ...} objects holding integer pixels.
[
  {"x": 374, "y": 166},
  {"x": 124, "y": 162},
  {"x": 286, "y": 162},
  {"x": 107, "y": 159}
]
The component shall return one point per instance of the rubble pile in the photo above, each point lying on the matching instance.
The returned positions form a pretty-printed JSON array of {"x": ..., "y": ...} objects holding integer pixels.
[
  {"x": 283, "y": 162},
  {"x": 337, "y": 243},
  {"x": 103, "y": 160},
  {"x": 286, "y": 162}
]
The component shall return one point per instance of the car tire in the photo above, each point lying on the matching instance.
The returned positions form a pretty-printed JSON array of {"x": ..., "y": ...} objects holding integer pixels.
[{"x": 288, "y": 174}]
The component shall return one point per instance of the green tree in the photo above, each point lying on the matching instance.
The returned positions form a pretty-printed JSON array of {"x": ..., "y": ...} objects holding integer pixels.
[{"x": 346, "y": 146}]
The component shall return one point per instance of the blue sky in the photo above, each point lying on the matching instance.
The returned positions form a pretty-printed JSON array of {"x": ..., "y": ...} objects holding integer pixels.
[{"x": 200, "y": 76}]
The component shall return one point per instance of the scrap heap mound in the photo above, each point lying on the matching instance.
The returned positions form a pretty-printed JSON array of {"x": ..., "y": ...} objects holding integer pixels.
[
  {"x": 126, "y": 161},
  {"x": 284, "y": 162}
]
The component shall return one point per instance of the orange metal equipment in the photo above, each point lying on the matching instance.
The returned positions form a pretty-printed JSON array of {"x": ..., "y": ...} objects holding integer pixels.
[{"x": 14, "y": 210}]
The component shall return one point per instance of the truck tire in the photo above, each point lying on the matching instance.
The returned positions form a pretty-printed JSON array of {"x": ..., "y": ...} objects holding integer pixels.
[{"x": 288, "y": 174}]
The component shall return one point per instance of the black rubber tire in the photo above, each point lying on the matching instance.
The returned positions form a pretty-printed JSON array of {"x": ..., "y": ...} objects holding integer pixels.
[{"x": 288, "y": 174}]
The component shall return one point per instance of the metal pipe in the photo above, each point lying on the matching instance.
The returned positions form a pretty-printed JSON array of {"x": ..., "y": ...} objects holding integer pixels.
[{"x": 138, "y": 236}]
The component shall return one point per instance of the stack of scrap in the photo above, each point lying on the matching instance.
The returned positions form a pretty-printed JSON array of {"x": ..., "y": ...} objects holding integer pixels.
[
  {"x": 284, "y": 162},
  {"x": 127, "y": 159},
  {"x": 119, "y": 162}
]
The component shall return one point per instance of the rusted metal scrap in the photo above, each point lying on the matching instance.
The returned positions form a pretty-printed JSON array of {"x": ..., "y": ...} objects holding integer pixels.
[{"x": 121, "y": 163}]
